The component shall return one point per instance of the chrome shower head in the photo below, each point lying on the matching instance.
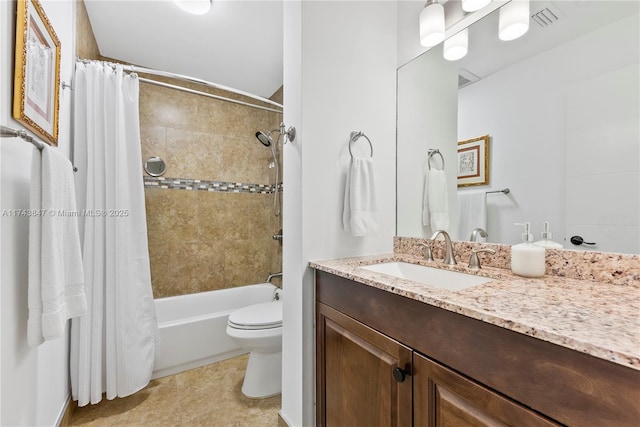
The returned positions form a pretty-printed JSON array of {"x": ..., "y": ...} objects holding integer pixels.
[
  {"x": 288, "y": 134},
  {"x": 264, "y": 138}
]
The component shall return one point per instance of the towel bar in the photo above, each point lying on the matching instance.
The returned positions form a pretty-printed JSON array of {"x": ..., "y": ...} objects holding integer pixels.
[
  {"x": 503, "y": 191},
  {"x": 355, "y": 135},
  {"x": 7, "y": 132}
]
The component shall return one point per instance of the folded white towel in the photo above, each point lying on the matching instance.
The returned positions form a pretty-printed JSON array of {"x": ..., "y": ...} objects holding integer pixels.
[
  {"x": 435, "y": 202},
  {"x": 55, "y": 289},
  {"x": 473, "y": 213},
  {"x": 360, "y": 213}
]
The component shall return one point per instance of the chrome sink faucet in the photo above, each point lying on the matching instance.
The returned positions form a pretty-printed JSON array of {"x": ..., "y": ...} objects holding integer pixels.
[
  {"x": 449, "y": 257},
  {"x": 475, "y": 232}
]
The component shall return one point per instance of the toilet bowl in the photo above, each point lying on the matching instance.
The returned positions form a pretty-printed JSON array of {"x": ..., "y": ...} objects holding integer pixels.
[{"x": 258, "y": 329}]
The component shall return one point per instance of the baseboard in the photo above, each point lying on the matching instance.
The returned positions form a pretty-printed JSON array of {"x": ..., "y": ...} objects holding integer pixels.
[
  {"x": 282, "y": 422},
  {"x": 64, "y": 420}
]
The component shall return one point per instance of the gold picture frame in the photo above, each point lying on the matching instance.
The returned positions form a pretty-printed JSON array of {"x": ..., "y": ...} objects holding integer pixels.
[
  {"x": 473, "y": 161},
  {"x": 36, "y": 88}
]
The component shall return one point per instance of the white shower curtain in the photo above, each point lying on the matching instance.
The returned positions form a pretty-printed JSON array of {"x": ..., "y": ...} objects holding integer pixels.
[{"x": 112, "y": 347}]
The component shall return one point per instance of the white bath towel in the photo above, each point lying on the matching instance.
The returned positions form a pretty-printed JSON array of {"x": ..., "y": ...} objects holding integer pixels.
[
  {"x": 360, "y": 213},
  {"x": 55, "y": 289},
  {"x": 435, "y": 202},
  {"x": 472, "y": 206}
]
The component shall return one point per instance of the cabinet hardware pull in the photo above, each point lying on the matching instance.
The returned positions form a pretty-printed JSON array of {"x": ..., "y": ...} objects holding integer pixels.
[{"x": 400, "y": 374}]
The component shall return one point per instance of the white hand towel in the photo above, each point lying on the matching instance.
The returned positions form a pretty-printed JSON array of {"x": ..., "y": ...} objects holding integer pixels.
[
  {"x": 473, "y": 213},
  {"x": 55, "y": 289},
  {"x": 360, "y": 213},
  {"x": 435, "y": 202}
]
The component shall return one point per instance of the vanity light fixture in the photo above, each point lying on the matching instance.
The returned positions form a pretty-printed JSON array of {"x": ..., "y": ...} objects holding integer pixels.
[
  {"x": 513, "y": 21},
  {"x": 196, "y": 7},
  {"x": 473, "y": 5},
  {"x": 457, "y": 46},
  {"x": 431, "y": 24}
]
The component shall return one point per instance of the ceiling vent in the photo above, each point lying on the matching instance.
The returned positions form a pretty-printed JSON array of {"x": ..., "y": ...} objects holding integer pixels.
[
  {"x": 466, "y": 77},
  {"x": 547, "y": 15}
]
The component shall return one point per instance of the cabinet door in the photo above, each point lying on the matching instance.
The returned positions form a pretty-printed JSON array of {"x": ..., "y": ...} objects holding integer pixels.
[
  {"x": 444, "y": 398},
  {"x": 362, "y": 375}
]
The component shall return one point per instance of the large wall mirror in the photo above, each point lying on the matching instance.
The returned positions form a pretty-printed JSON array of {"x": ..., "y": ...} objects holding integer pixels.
[{"x": 561, "y": 106}]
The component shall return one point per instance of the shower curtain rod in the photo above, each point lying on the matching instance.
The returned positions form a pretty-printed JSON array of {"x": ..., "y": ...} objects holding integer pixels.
[{"x": 136, "y": 69}]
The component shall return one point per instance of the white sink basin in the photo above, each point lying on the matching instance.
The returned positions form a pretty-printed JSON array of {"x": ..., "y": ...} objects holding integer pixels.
[{"x": 444, "y": 279}]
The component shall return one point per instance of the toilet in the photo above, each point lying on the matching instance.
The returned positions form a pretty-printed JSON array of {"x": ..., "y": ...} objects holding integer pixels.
[{"x": 258, "y": 329}]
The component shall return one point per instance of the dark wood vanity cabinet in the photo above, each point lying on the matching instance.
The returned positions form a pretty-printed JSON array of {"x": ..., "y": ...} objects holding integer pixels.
[
  {"x": 445, "y": 398},
  {"x": 386, "y": 360},
  {"x": 357, "y": 365}
]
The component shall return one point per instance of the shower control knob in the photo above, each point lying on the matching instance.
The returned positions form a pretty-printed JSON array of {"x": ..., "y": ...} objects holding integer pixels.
[{"x": 400, "y": 374}]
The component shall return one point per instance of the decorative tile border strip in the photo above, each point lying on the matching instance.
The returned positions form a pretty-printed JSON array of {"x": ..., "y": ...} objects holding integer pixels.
[{"x": 201, "y": 185}]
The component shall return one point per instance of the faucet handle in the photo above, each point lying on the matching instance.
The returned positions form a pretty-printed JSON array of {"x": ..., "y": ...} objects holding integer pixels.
[
  {"x": 474, "y": 260},
  {"x": 427, "y": 251}
]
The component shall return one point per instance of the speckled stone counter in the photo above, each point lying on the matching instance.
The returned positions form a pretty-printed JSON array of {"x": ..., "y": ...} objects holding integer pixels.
[{"x": 599, "y": 318}]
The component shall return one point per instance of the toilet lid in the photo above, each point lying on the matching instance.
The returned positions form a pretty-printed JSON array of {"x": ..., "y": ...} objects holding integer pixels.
[{"x": 266, "y": 315}]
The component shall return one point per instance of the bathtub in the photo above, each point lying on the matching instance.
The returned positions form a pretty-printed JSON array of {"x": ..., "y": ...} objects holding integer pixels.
[{"x": 192, "y": 327}]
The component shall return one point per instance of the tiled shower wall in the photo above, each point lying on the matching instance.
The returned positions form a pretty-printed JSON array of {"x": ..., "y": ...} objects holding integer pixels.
[
  {"x": 199, "y": 239},
  {"x": 204, "y": 239}
]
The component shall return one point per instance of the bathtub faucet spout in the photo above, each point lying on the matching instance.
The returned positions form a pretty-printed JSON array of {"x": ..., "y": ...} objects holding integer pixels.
[{"x": 272, "y": 275}]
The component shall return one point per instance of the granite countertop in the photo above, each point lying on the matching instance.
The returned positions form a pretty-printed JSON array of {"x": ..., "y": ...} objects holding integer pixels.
[{"x": 596, "y": 318}]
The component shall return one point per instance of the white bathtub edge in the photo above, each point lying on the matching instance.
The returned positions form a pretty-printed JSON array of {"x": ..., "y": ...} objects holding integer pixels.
[{"x": 196, "y": 364}]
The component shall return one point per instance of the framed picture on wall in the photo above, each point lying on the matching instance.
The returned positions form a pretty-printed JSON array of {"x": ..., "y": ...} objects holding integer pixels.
[
  {"x": 473, "y": 161},
  {"x": 36, "y": 87}
]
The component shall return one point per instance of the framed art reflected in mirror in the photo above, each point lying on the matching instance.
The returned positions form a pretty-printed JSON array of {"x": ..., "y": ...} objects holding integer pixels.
[{"x": 473, "y": 161}]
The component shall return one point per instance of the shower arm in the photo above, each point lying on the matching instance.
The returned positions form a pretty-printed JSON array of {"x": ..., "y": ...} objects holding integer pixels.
[{"x": 290, "y": 134}]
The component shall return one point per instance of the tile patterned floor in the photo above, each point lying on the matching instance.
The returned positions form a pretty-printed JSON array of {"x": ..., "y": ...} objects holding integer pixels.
[{"x": 209, "y": 396}]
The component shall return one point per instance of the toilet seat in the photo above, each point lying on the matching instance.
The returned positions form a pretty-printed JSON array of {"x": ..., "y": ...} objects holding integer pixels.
[{"x": 266, "y": 315}]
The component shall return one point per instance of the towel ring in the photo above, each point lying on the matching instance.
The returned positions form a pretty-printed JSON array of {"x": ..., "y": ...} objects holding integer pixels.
[
  {"x": 431, "y": 152},
  {"x": 355, "y": 135}
]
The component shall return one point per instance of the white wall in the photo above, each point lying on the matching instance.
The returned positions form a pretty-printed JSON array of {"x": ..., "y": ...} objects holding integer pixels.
[
  {"x": 340, "y": 76},
  {"x": 524, "y": 109},
  {"x": 34, "y": 382}
]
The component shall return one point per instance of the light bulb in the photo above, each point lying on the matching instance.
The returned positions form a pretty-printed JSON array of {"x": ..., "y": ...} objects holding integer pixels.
[
  {"x": 196, "y": 7},
  {"x": 513, "y": 20},
  {"x": 456, "y": 47},
  {"x": 473, "y": 5},
  {"x": 432, "y": 24}
]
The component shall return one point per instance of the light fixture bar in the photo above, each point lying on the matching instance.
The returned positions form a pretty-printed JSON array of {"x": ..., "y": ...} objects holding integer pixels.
[
  {"x": 468, "y": 20},
  {"x": 432, "y": 24},
  {"x": 513, "y": 21},
  {"x": 457, "y": 46}
]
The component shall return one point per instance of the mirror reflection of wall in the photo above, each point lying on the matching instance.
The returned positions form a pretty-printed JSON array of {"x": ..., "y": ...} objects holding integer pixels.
[
  {"x": 426, "y": 122},
  {"x": 564, "y": 125}
]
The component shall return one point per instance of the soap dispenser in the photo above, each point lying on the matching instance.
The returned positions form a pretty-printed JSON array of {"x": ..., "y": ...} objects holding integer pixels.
[
  {"x": 546, "y": 241},
  {"x": 527, "y": 259}
]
